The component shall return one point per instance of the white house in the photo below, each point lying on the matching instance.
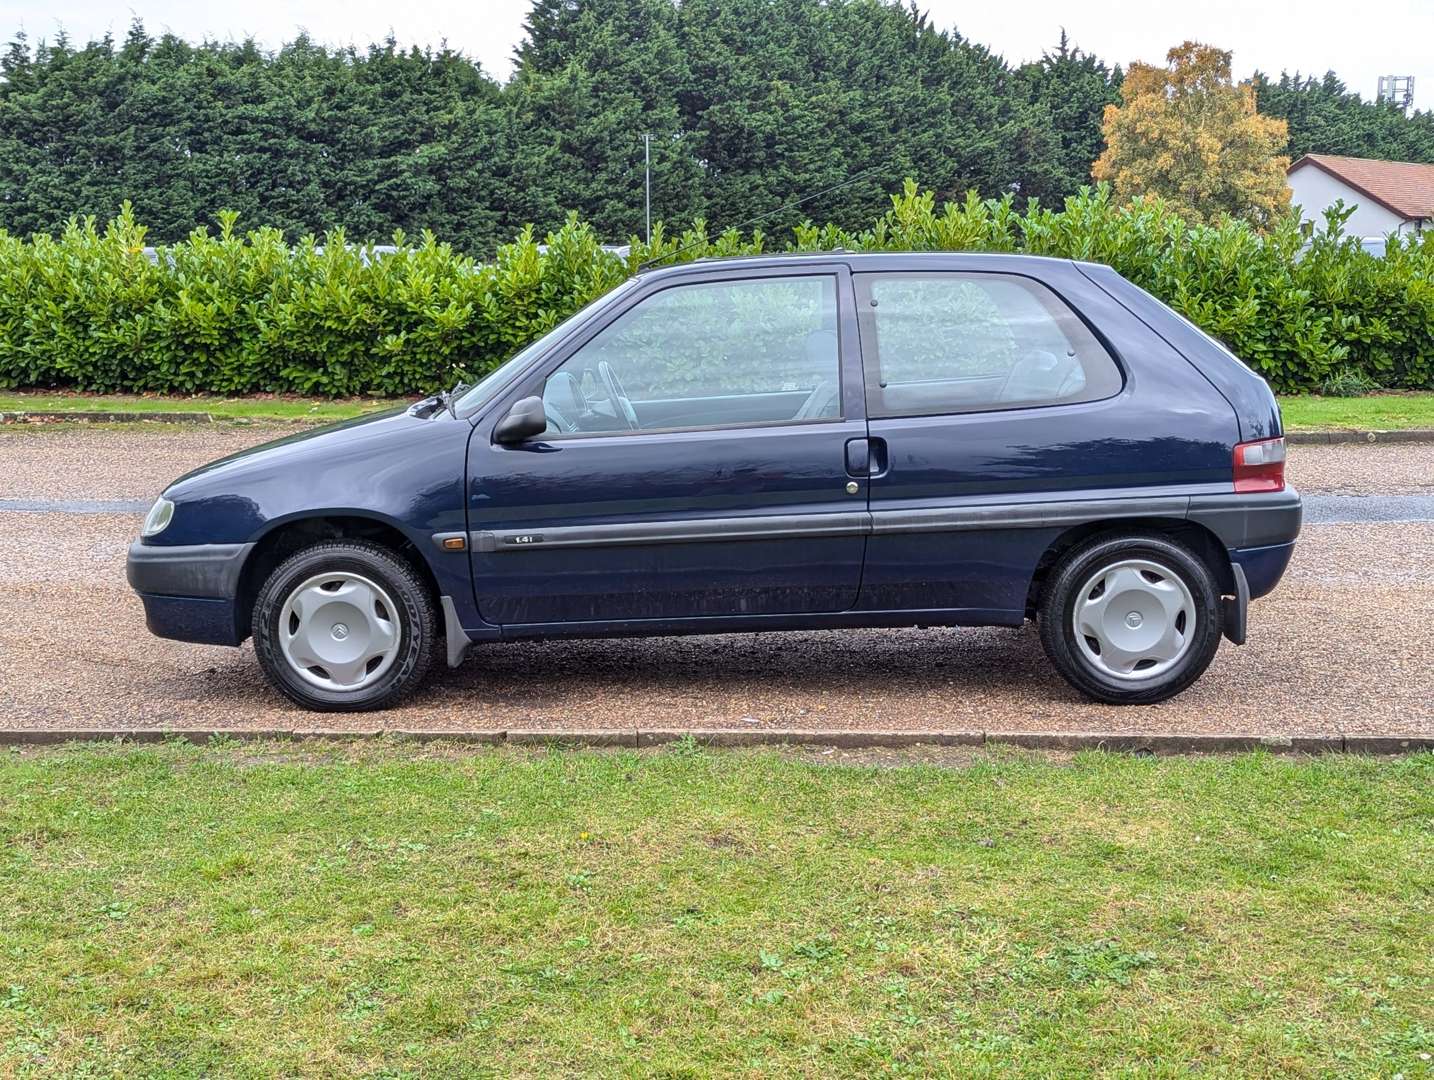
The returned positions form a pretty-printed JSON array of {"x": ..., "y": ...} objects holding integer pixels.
[{"x": 1390, "y": 196}]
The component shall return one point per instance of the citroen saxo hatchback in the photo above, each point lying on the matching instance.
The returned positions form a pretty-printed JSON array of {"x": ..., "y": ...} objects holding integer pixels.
[{"x": 764, "y": 444}]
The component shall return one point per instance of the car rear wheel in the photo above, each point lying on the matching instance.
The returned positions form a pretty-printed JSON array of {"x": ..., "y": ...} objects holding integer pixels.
[
  {"x": 1131, "y": 620},
  {"x": 345, "y": 626}
]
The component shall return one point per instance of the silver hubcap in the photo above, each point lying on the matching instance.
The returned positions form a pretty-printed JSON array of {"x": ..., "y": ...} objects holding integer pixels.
[
  {"x": 1134, "y": 619},
  {"x": 339, "y": 631}
]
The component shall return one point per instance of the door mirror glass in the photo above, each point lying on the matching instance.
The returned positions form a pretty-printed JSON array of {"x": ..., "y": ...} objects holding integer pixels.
[{"x": 524, "y": 420}]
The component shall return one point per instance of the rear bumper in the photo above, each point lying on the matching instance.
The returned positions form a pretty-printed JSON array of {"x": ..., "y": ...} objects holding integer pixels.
[
  {"x": 1263, "y": 566},
  {"x": 189, "y": 592},
  {"x": 1262, "y": 520},
  {"x": 1259, "y": 533}
]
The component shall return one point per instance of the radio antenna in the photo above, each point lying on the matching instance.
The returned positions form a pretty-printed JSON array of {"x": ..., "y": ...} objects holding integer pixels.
[{"x": 764, "y": 214}]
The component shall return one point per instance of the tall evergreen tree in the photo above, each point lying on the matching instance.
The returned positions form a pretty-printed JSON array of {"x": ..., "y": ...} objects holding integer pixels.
[
  {"x": 592, "y": 78},
  {"x": 751, "y": 104},
  {"x": 1074, "y": 88},
  {"x": 1326, "y": 117},
  {"x": 791, "y": 96},
  {"x": 304, "y": 139}
]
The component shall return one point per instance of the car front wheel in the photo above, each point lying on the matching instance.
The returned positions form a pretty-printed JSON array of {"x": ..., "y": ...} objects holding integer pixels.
[
  {"x": 1131, "y": 620},
  {"x": 345, "y": 626}
]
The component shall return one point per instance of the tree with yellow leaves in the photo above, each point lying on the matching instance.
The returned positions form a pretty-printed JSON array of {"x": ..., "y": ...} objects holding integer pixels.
[{"x": 1188, "y": 133}]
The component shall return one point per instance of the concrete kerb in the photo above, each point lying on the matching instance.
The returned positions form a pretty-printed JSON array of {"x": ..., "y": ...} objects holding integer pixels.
[
  {"x": 586, "y": 738},
  {"x": 1117, "y": 742},
  {"x": 1132, "y": 743},
  {"x": 1387, "y": 744},
  {"x": 842, "y": 740},
  {"x": 1360, "y": 435}
]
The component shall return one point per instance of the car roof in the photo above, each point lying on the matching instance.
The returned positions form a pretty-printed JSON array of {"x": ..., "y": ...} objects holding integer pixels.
[{"x": 871, "y": 261}]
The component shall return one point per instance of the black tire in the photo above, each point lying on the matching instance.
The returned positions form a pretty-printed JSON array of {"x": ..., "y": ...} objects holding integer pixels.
[
  {"x": 1057, "y": 609},
  {"x": 417, "y": 621}
]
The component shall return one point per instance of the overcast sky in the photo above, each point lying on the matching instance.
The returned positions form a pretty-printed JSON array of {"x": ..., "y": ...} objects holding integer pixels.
[{"x": 1359, "y": 41}]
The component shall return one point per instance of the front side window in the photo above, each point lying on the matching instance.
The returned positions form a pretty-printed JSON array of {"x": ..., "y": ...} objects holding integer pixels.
[
  {"x": 711, "y": 354},
  {"x": 963, "y": 342}
]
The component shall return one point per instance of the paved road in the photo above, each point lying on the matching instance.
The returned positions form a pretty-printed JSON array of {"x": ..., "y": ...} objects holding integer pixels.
[
  {"x": 1346, "y": 644},
  {"x": 73, "y": 506},
  {"x": 1338, "y": 509}
]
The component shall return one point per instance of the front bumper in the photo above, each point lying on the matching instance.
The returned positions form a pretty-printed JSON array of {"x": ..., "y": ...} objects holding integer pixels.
[
  {"x": 207, "y": 570},
  {"x": 190, "y": 591}
]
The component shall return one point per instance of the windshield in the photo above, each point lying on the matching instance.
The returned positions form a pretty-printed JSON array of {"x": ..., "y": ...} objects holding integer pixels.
[{"x": 485, "y": 388}]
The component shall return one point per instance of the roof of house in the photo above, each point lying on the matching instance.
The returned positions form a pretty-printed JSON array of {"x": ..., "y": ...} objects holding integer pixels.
[{"x": 1405, "y": 188}]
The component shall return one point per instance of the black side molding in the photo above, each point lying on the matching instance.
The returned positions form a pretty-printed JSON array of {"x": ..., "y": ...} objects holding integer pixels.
[
  {"x": 1240, "y": 521},
  {"x": 682, "y": 531}
]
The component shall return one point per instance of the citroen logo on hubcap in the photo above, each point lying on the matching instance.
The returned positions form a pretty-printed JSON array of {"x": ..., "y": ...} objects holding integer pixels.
[{"x": 340, "y": 631}]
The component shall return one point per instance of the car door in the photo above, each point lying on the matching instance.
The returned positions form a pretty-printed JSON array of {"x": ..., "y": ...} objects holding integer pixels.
[
  {"x": 694, "y": 466},
  {"x": 999, "y": 418}
]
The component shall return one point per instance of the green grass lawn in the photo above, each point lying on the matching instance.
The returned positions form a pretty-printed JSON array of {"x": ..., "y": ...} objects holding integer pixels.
[
  {"x": 1309, "y": 412},
  {"x": 247, "y": 408},
  {"x": 385, "y": 910},
  {"x": 1302, "y": 412}
]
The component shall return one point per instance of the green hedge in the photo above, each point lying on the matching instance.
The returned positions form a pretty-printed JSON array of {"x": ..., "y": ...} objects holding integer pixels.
[{"x": 236, "y": 313}]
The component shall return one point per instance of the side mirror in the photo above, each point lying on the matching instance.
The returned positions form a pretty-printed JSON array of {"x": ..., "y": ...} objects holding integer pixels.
[{"x": 525, "y": 419}]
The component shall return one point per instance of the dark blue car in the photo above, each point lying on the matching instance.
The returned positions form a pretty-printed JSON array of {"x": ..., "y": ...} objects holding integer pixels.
[{"x": 778, "y": 443}]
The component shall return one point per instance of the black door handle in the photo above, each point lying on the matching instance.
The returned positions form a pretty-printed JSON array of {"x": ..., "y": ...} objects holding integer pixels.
[
  {"x": 858, "y": 457},
  {"x": 877, "y": 459}
]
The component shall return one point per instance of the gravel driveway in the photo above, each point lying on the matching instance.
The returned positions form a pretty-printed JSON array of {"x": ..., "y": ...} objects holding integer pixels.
[
  {"x": 1345, "y": 645},
  {"x": 104, "y": 463}
]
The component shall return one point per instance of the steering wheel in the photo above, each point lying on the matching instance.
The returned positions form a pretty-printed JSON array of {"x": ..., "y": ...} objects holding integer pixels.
[
  {"x": 621, "y": 404},
  {"x": 563, "y": 402},
  {"x": 821, "y": 403}
]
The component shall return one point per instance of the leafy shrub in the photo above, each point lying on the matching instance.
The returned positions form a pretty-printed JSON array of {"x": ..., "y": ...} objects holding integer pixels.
[{"x": 238, "y": 313}]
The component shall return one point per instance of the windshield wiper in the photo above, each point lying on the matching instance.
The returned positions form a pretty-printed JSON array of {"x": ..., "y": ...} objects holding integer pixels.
[
  {"x": 447, "y": 398},
  {"x": 444, "y": 399}
]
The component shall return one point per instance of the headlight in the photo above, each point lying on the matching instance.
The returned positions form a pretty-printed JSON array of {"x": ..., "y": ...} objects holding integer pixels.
[{"x": 158, "y": 518}]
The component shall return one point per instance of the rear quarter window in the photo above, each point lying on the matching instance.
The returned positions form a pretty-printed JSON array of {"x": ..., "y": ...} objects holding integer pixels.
[{"x": 970, "y": 342}]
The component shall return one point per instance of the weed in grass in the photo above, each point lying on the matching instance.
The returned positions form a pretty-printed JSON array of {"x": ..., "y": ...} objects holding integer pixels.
[
  {"x": 1097, "y": 961},
  {"x": 821, "y": 947},
  {"x": 1348, "y": 382},
  {"x": 684, "y": 746}
]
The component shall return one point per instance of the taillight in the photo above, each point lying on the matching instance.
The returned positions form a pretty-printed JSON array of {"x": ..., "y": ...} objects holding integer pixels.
[{"x": 1260, "y": 466}]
